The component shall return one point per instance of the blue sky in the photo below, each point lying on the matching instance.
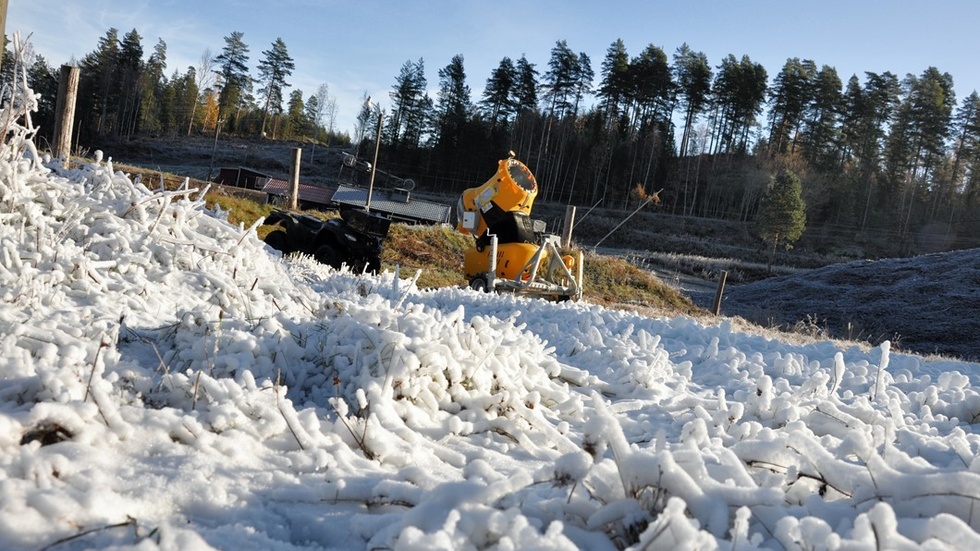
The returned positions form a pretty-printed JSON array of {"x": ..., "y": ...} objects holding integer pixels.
[{"x": 359, "y": 46}]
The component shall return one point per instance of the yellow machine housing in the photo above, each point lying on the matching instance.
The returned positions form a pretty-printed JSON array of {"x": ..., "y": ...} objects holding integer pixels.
[
  {"x": 502, "y": 207},
  {"x": 512, "y": 253}
]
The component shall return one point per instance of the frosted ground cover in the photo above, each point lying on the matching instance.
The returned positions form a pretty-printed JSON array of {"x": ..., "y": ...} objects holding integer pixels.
[{"x": 168, "y": 382}]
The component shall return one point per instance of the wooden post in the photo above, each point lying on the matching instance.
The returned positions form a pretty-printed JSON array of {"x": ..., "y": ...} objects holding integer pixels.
[
  {"x": 64, "y": 112},
  {"x": 721, "y": 290},
  {"x": 294, "y": 179},
  {"x": 566, "y": 232}
]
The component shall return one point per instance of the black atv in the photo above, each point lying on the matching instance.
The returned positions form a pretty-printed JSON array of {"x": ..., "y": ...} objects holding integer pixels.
[{"x": 354, "y": 239}]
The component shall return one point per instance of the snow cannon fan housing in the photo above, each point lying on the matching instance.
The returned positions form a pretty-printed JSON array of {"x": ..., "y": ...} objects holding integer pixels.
[{"x": 507, "y": 195}]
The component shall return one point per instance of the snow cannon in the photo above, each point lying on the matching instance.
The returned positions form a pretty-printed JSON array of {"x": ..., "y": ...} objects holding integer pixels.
[
  {"x": 500, "y": 207},
  {"x": 510, "y": 192},
  {"x": 511, "y": 249}
]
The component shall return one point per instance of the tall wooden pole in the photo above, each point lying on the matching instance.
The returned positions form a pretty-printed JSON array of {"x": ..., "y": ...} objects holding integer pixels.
[
  {"x": 64, "y": 112},
  {"x": 374, "y": 166}
]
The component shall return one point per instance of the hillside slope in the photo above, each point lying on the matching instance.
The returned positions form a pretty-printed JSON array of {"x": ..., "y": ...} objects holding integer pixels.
[{"x": 926, "y": 304}]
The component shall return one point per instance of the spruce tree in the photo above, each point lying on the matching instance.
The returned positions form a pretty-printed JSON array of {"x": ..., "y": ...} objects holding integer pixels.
[
  {"x": 296, "y": 123},
  {"x": 782, "y": 214}
]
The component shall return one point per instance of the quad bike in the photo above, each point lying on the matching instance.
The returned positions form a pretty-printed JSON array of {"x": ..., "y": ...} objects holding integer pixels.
[
  {"x": 512, "y": 253},
  {"x": 354, "y": 239}
]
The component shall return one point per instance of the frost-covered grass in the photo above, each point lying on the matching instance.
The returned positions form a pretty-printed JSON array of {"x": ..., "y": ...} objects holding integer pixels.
[{"x": 926, "y": 304}]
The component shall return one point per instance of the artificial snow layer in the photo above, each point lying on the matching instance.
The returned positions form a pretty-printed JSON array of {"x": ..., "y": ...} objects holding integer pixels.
[{"x": 169, "y": 382}]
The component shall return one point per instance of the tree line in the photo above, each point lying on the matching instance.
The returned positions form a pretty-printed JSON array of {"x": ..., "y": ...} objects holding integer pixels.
[
  {"x": 893, "y": 163},
  {"x": 886, "y": 161},
  {"x": 126, "y": 92}
]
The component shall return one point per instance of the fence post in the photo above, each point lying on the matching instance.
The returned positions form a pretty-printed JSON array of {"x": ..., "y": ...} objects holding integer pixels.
[
  {"x": 721, "y": 290},
  {"x": 65, "y": 112},
  {"x": 294, "y": 179},
  {"x": 566, "y": 232}
]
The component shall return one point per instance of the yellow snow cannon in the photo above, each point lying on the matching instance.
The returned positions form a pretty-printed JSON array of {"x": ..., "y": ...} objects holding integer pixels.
[{"x": 511, "y": 249}]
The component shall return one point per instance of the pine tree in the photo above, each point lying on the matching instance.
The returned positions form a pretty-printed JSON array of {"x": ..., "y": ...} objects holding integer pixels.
[
  {"x": 652, "y": 86},
  {"x": 967, "y": 125},
  {"x": 152, "y": 84},
  {"x": 917, "y": 142},
  {"x": 97, "y": 92},
  {"x": 524, "y": 97},
  {"x": 820, "y": 128},
  {"x": 739, "y": 91},
  {"x": 782, "y": 214},
  {"x": 236, "y": 83},
  {"x": 130, "y": 70},
  {"x": 411, "y": 106},
  {"x": 583, "y": 81},
  {"x": 561, "y": 81},
  {"x": 496, "y": 103},
  {"x": 525, "y": 92},
  {"x": 868, "y": 109},
  {"x": 453, "y": 104},
  {"x": 274, "y": 68},
  {"x": 693, "y": 76},
  {"x": 614, "y": 88},
  {"x": 789, "y": 97}
]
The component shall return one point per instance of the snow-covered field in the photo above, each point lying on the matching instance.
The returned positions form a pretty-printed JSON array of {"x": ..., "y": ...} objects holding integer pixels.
[{"x": 168, "y": 382}]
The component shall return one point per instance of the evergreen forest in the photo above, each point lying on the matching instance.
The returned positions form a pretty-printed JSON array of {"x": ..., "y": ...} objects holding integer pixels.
[{"x": 889, "y": 165}]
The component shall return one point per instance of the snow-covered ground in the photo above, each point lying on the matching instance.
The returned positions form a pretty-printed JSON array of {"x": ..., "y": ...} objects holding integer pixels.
[{"x": 168, "y": 382}]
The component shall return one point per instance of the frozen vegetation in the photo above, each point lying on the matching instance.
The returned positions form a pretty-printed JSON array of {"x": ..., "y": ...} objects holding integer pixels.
[{"x": 928, "y": 304}]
